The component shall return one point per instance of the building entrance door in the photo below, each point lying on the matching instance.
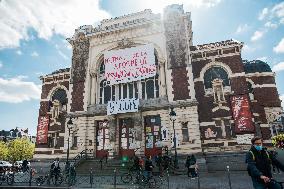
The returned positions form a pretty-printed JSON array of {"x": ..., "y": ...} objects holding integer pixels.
[
  {"x": 103, "y": 144},
  {"x": 153, "y": 141},
  {"x": 126, "y": 137}
]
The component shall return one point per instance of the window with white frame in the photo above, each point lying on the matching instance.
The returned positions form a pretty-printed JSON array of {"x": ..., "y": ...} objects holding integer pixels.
[{"x": 149, "y": 88}]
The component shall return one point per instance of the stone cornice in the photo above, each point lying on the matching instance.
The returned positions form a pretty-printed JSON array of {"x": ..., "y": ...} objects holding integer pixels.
[{"x": 215, "y": 46}]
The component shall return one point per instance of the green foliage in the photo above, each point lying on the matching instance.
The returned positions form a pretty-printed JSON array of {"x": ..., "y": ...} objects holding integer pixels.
[
  {"x": 19, "y": 149},
  {"x": 3, "y": 151}
]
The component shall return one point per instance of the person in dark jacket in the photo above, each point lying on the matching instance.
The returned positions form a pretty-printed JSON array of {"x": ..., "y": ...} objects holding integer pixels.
[
  {"x": 259, "y": 166},
  {"x": 136, "y": 165},
  {"x": 148, "y": 167},
  {"x": 191, "y": 165},
  {"x": 159, "y": 163}
]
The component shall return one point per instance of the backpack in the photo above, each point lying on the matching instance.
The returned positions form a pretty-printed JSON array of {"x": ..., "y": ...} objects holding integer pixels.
[{"x": 253, "y": 158}]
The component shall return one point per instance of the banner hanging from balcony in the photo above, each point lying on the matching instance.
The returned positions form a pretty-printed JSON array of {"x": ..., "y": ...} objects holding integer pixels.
[
  {"x": 242, "y": 114},
  {"x": 122, "y": 106},
  {"x": 42, "y": 129},
  {"x": 131, "y": 64}
]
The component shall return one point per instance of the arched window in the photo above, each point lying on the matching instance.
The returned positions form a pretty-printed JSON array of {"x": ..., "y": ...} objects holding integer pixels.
[
  {"x": 215, "y": 79},
  {"x": 149, "y": 87},
  {"x": 215, "y": 73},
  {"x": 58, "y": 103},
  {"x": 60, "y": 95}
]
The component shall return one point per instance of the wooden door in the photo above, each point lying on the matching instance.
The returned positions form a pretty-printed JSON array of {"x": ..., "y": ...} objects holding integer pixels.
[
  {"x": 152, "y": 129},
  {"x": 103, "y": 143},
  {"x": 126, "y": 137}
]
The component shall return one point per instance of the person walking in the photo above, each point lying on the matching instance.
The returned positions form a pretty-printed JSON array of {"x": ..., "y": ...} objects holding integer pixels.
[
  {"x": 159, "y": 163},
  {"x": 191, "y": 166},
  {"x": 259, "y": 166},
  {"x": 148, "y": 167}
]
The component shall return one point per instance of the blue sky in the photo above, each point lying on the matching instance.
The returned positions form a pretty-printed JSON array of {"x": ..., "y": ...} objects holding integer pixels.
[{"x": 33, "y": 33}]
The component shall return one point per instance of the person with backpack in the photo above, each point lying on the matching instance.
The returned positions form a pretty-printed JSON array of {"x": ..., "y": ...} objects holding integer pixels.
[
  {"x": 259, "y": 166},
  {"x": 191, "y": 166}
]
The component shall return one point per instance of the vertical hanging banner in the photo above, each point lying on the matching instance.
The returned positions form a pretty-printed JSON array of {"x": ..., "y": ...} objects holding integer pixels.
[
  {"x": 131, "y": 64},
  {"x": 242, "y": 114},
  {"x": 42, "y": 129}
]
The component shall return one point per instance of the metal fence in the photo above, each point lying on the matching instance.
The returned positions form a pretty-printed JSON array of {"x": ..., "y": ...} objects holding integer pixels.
[{"x": 95, "y": 179}]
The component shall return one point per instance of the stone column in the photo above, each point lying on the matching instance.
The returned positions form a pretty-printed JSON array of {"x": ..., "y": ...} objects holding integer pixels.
[
  {"x": 162, "y": 79},
  {"x": 93, "y": 88}
]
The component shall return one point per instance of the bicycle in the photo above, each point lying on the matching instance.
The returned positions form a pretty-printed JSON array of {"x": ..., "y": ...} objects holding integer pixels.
[
  {"x": 70, "y": 177},
  {"x": 127, "y": 177},
  {"x": 280, "y": 183},
  {"x": 57, "y": 178},
  {"x": 147, "y": 180},
  {"x": 42, "y": 179}
]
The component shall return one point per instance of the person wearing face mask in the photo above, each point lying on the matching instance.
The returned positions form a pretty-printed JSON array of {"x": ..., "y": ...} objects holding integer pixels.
[{"x": 259, "y": 166}]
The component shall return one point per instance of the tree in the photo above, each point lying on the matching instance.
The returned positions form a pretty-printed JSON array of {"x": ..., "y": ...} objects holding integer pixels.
[
  {"x": 3, "y": 151},
  {"x": 20, "y": 148}
]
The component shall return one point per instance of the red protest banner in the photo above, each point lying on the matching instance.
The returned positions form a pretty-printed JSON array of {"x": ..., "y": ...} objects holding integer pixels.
[
  {"x": 242, "y": 114},
  {"x": 42, "y": 129}
]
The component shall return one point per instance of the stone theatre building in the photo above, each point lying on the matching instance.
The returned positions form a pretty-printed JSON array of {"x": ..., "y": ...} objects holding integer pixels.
[{"x": 220, "y": 100}]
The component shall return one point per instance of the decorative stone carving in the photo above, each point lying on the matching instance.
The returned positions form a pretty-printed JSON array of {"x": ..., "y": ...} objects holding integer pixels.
[
  {"x": 125, "y": 43},
  {"x": 176, "y": 36},
  {"x": 80, "y": 58}
]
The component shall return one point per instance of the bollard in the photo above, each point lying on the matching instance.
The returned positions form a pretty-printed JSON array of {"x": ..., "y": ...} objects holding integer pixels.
[
  {"x": 114, "y": 178},
  {"x": 229, "y": 176},
  {"x": 168, "y": 178},
  {"x": 31, "y": 176},
  {"x": 91, "y": 178},
  {"x": 101, "y": 161},
  {"x": 198, "y": 180}
]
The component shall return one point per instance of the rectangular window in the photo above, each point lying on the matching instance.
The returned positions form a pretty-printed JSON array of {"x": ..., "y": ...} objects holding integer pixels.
[
  {"x": 130, "y": 89},
  {"x": 124, "y": 91},
  {"x": 75, "y": 142}
]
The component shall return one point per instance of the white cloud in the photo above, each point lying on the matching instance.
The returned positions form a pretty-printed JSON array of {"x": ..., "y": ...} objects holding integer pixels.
[
  {"x": 45, "y": 17},
  {"x": 263, "y": 14},
  {"x": 248, "y": 49},
  {"x": 264, "y": 58},
  {"x": 280, "y": 47},
  {"x": 62, "y": 55},
  {"x": 282, "y": 99},
  {"x": 242, "y": 28},
  {"x": 1, "y": 65},
  {"x": 34, "y": 54},
  {"x": 278, "y": 67},
  {"x": 19, "y": 52},
  {"x": 157, "y": 6},
  {"x": 257, "y": 35},
  {"x": 15, "y": 90},
  {"x": 270, "y": 25},
  {"x": 278, "y": 10}
]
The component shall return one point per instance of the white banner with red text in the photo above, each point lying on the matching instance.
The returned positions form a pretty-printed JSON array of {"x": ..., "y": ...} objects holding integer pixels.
[{"x": 131, "y": 64}]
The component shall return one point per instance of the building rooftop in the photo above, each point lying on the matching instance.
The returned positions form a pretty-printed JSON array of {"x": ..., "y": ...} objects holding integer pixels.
[{"x": 254, "y": 66}]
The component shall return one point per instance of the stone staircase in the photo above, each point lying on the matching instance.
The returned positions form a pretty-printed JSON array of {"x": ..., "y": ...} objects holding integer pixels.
[
  {"x": 209, "y": 162},
  {"x": 220, "y": 161}
]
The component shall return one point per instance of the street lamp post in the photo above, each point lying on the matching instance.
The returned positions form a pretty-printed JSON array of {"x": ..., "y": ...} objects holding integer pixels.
[
  {"x": 173, "y": 118},
  {"x": 69, "y": 126}
]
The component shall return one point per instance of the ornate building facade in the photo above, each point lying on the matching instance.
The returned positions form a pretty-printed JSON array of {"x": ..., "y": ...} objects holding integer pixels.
[{"x": 220, "y": 100}]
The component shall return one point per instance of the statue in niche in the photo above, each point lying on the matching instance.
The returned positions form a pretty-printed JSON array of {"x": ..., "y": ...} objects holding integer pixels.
[
  {"x": 56, "y": 108},
  {"x": 210, "y": 134}
]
